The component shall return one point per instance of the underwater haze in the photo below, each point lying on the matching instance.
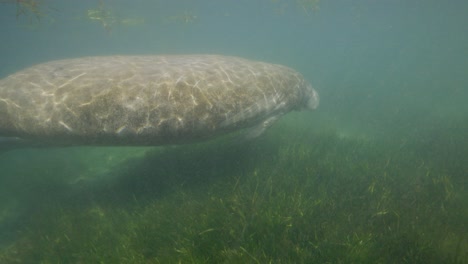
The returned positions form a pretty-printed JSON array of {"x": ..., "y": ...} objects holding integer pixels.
[{"x": 378, "y": 173}]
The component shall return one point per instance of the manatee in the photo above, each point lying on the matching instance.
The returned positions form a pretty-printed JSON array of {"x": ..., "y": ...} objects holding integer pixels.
[{"x": 147, "y": 100}]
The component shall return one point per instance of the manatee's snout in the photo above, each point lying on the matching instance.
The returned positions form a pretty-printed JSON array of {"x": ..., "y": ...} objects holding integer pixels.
[{"x": 313, "y": 98}]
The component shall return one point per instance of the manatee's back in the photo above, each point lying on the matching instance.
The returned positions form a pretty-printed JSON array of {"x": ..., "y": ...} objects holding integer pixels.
[{"x": 144, "y": 99}]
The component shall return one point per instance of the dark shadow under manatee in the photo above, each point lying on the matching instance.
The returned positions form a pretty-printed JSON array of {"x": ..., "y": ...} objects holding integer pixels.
[
  {"x": 167, "y": 169},
  {"x": 160, "y": 172}
]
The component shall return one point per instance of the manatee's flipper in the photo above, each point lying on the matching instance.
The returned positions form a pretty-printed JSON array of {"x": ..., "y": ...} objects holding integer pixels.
[{"x": 257, "y": 130}]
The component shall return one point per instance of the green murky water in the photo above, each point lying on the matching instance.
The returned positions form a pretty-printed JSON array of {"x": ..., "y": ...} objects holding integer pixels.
[{"x": 377, "y": 174}]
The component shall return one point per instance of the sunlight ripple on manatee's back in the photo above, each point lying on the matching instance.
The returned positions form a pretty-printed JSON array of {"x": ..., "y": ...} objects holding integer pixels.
[{"x": 147, "y": 100}]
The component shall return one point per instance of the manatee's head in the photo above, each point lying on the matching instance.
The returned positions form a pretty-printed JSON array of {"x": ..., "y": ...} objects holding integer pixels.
[{"x": 311, "y": 97}]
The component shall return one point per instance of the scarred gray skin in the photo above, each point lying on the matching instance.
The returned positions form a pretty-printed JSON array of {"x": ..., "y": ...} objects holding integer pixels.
[{"x": 147, "y": 100}]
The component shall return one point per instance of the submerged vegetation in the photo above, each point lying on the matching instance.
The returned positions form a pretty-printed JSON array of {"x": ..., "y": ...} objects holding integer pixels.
[
  {"x": 30, "y": 9},
  {"x": 111, "y": 14},
  {"x": 301, "y": 197}
]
